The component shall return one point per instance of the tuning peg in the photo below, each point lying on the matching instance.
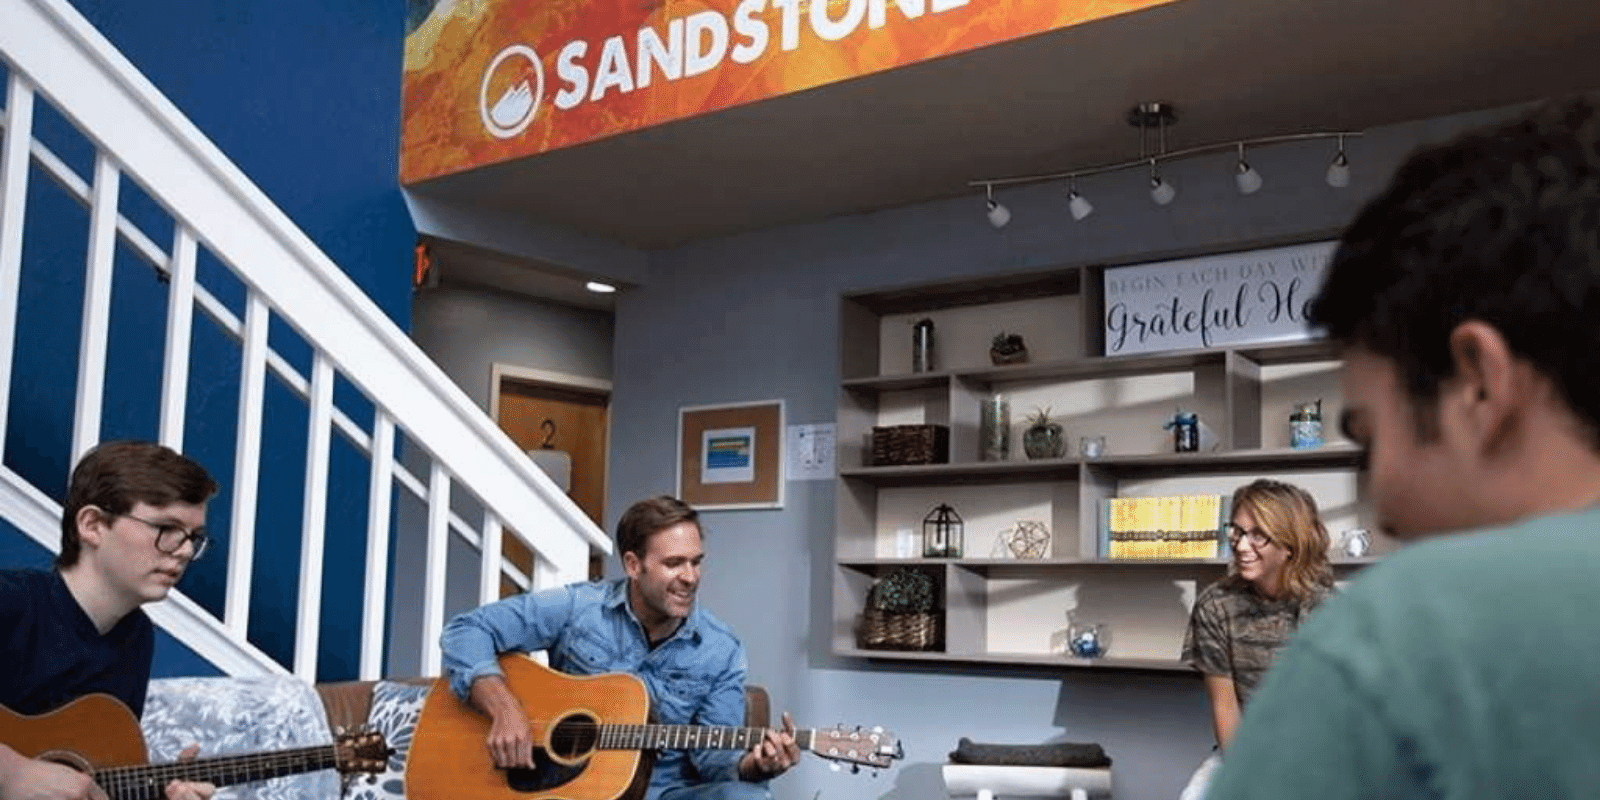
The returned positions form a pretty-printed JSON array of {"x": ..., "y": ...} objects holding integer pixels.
[
  {"x": 834, "y": 766},
  {"x": 855, "y": 769}
]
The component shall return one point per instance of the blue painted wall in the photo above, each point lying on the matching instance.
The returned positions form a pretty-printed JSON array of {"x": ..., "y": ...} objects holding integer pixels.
[{"x": 304, "y": 96}]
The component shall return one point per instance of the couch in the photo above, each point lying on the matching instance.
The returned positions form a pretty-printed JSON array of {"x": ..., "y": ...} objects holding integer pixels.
[{"x": 270, "y": 713}]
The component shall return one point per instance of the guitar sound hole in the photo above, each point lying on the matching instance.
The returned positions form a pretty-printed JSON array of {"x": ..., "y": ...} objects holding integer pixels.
[{"x": 574, "y": 736}]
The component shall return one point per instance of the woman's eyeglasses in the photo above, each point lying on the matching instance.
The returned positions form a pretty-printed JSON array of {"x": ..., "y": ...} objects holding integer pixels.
[{"x": 1256, "y": 537}]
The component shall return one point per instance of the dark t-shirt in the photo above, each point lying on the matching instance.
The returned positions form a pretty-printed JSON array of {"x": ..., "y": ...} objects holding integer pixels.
[{"x": 51, "y": 653}]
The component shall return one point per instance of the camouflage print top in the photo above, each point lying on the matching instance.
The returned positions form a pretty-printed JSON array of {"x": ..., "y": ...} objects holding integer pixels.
[{"x": 1236, "y": 631}]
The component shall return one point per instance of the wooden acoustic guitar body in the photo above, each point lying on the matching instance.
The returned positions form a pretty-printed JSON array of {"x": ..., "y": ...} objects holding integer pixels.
[
  {"x": 116, "y": 739},
  {"x": 450, "y": 760}
]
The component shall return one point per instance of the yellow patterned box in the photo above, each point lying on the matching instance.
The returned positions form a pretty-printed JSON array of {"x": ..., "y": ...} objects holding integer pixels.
[{"x": 1175, "y": 527}]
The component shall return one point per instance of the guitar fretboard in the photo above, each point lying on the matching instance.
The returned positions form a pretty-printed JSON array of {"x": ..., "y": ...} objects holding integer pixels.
[
  {"x": 149, "y": 782},
  {"x": 687, "y": 737}
]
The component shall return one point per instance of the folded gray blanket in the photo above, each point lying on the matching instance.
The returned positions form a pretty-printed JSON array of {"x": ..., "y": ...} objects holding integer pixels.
[{"x": 1061, "y": 754}]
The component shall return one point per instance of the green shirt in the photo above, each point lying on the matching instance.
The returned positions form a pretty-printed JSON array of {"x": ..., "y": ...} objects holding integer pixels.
[{"x": 1466, "y": 666}]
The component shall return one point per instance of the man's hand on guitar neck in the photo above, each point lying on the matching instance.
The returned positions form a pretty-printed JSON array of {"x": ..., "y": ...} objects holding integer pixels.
[
  {"x": 773, "y": 755},
  {"x": 510, "y": 740},
  {"x": 185, "y": 790}
]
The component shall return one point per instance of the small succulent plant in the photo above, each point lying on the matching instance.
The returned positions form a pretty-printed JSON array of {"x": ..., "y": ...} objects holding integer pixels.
[{"x": 1040, "y": 418}]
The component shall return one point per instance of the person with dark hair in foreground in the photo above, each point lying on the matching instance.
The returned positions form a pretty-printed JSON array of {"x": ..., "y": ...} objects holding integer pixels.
[
  {"x": 1467, "y": 300},
  {"x": 134, "y": 519},
  {"x": 646, "y": 623}
]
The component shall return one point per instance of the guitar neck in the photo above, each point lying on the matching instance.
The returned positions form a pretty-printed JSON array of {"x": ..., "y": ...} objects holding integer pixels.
[
  {"x": 688, "y": 737},
  {"x": 148, "y": 782}
]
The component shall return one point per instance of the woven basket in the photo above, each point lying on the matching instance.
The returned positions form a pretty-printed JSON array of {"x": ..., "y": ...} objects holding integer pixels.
[
  {"x": 900, "y": 445},
  {"x": 890, "y": 630},
  {"x": 1000, "y": 358}
]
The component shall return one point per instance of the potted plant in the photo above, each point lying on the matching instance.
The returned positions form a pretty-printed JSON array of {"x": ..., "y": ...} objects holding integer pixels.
[
  {"x": 1008, "y": 348},
  {"x": 1043, "y": 438}
]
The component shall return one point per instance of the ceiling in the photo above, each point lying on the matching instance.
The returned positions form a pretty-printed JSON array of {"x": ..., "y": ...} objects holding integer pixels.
[
  {"x": 1048, "y": 103},
  {"x": 459, "y": 265}
]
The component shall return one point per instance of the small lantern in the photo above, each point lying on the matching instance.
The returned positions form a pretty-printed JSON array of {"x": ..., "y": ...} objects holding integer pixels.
[{"x": 941, "y": 533}]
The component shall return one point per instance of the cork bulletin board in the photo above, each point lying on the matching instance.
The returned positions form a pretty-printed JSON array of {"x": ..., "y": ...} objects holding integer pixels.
[{"x": 731, "y": 456}]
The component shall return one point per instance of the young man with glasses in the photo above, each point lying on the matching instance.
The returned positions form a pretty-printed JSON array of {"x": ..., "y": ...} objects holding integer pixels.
[
  {"x": 133, "y": 520},
  {"x": 1279, "y": 573}
]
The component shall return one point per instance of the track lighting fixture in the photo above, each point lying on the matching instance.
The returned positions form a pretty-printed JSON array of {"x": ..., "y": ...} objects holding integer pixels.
[
  {"x": 1246, "y": 177},
  {"x": 999, "y": 215},
  {"x": 1077, "y": 203},
  {"x": 1157, "y": 116},
  {"x": 1339, "y": 170}
]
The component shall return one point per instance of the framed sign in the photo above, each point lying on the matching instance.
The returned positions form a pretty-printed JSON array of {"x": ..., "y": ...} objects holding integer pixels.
[
  {"x": 731, "y": 456},
  {"x": 1213, "y": 301}
]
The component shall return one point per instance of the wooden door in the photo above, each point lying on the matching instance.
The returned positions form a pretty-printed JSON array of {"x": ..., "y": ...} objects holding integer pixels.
[{"x": 580, "y": 417}]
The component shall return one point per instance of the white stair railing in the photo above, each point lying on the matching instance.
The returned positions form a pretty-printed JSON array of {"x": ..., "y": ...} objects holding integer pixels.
[{"x": 53, "y": 55}]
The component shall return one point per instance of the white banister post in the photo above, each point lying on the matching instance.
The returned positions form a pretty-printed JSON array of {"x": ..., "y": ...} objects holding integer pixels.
[
  {"x": 180, "y": 326},
  {"x": 96, "y": 328},
  {"x": 380, "y": 496},
  {"x": 314, "y": 519},
  {"x": 13, "y": 201},
  {"x": 437, "y": 564},
  {"x": 489, "y": 558},
  {"x": 247, "y": 465}
]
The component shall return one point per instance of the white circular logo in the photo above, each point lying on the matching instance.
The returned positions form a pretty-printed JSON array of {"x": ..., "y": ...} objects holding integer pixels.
[{"x": 513, "y": 110}]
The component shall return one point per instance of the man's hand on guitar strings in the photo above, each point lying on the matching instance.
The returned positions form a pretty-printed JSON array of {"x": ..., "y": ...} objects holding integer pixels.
[
  {"x": 773, "y": 755},
  {"x": 510, "y": 740},
  {"x": 44, "y": 780}
]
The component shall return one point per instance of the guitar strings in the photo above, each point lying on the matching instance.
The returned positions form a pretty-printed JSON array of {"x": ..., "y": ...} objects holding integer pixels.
[{"x": 225, "y": 767}]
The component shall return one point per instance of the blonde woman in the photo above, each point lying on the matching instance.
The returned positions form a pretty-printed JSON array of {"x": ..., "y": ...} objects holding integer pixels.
[{"x": 1279, "y": 573}]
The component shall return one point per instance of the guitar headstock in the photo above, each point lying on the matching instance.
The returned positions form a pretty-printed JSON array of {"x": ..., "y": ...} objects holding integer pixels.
[
  {"x": 858, "y": 746},
  {"x": 361, "y": 751}
]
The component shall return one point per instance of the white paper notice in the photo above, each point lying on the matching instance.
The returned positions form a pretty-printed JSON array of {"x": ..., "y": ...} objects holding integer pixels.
[{"x": 810, "y": 449}]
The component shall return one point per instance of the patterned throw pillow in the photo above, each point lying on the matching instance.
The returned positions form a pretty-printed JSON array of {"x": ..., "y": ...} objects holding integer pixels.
[
  {"x": 395, "y": 708},
  {"x": 242, "y": 714}
]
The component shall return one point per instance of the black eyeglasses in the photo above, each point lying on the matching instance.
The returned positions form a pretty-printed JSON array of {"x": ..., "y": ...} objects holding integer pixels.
[
  {"x": 1256, "y": 537},
  {"x": 170, "y": 538}
]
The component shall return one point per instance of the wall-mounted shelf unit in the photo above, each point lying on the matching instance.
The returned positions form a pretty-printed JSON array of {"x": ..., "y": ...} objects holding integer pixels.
[{"x": 1000, "y": 610}]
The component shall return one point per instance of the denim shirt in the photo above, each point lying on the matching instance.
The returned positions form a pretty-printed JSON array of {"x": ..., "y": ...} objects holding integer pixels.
[{"x": 695, "y": 677}]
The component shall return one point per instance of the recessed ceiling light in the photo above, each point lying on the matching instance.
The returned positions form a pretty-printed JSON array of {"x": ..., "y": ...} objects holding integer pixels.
[{"x": 599, "y": 288}]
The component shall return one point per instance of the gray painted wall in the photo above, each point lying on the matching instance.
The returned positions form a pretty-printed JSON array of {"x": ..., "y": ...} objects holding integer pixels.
[
  {"x": 466, "y": 332},
  {"x": 755, "y": 316}
]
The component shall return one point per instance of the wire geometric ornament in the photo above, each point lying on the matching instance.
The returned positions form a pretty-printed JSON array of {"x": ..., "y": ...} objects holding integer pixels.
[{"x": 1027, "y": 539}]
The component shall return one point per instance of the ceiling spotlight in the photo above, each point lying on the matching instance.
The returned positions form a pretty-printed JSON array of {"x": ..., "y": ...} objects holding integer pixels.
[
  {"x": 1077, "y": 203},
  {"x": 1248, "y": 180},
  {"x": 599, "y": 288},
  {"x": 998, "y": 214},
  {"x": 1339, "y": 170},
  {"x": 1160, "y": 191}
]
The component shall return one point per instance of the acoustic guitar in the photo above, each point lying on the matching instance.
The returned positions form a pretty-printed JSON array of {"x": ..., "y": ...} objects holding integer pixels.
[
  {"x": 592, "y": 740},
  {"x": 98, "y": 735}
]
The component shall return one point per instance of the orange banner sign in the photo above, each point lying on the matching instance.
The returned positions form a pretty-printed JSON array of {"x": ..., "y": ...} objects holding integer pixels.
[{"x": 492, "y": 80}]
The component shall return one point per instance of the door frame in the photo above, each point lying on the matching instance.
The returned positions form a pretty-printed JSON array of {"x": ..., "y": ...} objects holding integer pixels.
[{"x": 500, "y": 372}]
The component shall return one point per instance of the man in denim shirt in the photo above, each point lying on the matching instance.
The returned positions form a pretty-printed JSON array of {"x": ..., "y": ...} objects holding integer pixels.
[{"x": 646, "y": 624}]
